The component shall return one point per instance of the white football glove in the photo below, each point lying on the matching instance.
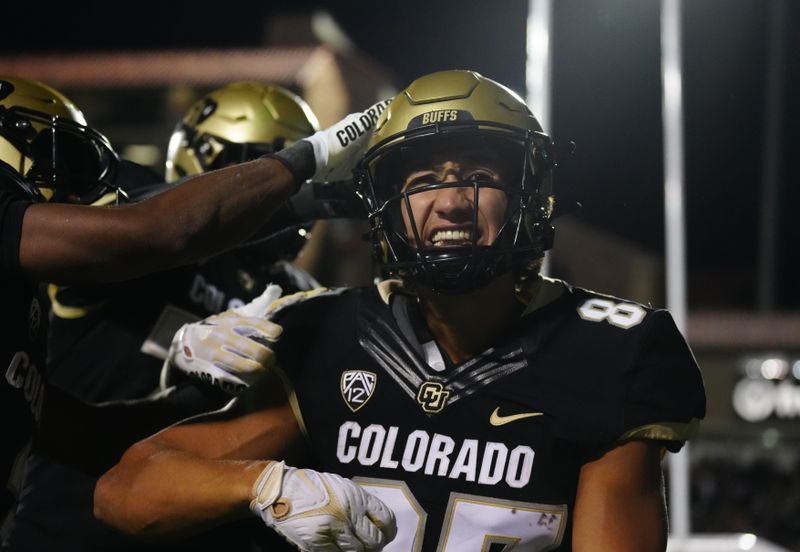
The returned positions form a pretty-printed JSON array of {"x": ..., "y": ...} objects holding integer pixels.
[
  {"x": 318, "y": 511},
  {"x": 338, "y": 148},
  {"x": 232, "y": 349}
]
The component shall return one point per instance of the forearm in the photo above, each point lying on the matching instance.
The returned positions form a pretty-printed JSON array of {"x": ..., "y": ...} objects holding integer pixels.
[
  {"x": 200, "y": 218},
  {"x": 157, "y": 491},
  {"x": 199, "y": 473},
  {"x": 222, "y": 208}
]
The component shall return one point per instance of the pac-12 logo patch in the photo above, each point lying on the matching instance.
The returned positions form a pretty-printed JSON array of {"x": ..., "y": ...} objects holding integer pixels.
[{"x": 357, "y": 387}]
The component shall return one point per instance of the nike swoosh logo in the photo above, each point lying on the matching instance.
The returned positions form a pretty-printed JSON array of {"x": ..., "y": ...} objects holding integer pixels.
[{"x": 497, "y": 420}]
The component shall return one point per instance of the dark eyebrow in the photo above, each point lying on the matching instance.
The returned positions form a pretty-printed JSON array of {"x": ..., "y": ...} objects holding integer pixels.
[
  {"x": 436, "y": 171},
  {"x": 417, "y": 179}
]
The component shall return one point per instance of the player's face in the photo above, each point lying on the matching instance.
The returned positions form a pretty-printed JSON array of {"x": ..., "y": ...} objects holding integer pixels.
[{"x": 445, "y": 217}]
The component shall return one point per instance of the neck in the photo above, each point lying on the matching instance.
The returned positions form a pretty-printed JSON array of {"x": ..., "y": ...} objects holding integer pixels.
[{"x": 467, "y": 324}]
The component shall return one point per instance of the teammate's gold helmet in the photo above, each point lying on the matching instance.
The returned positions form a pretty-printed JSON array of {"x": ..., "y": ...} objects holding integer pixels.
[
  {"x": 457, "y": 110},
  {"x": 47, "y": 148},
  {"x": 237, "y": 123}
]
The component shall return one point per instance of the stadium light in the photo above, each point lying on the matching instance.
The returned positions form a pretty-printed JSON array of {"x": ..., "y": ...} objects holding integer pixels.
[
  {"x": 672, "y": 115},
  {"x": 538, "y": 72}
]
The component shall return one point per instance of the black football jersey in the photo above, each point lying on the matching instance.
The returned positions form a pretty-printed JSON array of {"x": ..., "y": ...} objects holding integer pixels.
[
  {"x": 485, "y": 453},
  {"x": 24, "y": 329},
  {"x": 24, "y": 310},
  {"x": 106, "y": 343}
]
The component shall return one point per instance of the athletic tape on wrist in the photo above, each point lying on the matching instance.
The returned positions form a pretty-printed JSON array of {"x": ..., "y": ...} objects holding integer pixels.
[
  {"x": 298, "y": 160},
  {"x": 267, "y": 487}
]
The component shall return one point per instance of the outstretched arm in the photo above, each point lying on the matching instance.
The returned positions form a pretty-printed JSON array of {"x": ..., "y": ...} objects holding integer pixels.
[{"x": 203, "y": 216}]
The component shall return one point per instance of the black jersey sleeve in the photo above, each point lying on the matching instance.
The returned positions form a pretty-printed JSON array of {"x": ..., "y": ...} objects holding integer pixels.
[
  {"x": 317, "y": 326},
  {"x": 312, "y": 321},
  {"x": 664, "y": 395},
  {"x": 12, "y": 211}
]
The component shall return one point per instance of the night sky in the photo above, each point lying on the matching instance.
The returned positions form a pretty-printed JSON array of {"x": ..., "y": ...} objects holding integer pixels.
[{"x": 607, "y": 98}]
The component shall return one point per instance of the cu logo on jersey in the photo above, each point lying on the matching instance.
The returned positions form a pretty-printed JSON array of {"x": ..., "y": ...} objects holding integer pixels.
[
  {"x": 357, "y": 387},
  {"x": 432, "y": 397}
]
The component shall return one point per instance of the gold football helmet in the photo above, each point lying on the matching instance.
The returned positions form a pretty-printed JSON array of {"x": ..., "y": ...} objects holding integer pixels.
[
  {"x": 47, "y": 148},
  {"x": 237, "y": 123},
  {"x": 458, "y": 111}
]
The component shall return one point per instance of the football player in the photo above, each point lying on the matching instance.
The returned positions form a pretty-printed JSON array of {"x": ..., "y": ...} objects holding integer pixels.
[
  {"x": 49, "y": 240},
  {"x": 489, "y": 407},
  {"x": 49, "y": 153},
  {"x": 103, "y": 340}
]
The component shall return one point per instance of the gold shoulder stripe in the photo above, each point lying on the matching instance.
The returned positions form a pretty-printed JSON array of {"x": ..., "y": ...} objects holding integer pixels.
[
  {"x": 67, "y": 312},
  {"x": 299, "y": 297},
  {"x": 664, "y": 431}
]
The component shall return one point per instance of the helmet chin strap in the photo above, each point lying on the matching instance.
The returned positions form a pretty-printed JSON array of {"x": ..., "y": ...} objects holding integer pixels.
[{"x": 463, "y": 276}]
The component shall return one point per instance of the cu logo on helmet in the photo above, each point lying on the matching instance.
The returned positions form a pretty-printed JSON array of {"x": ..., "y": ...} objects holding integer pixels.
[{"x": 432, "y": 397}]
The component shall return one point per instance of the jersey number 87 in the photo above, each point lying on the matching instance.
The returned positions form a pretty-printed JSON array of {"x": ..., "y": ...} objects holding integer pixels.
[{"x": 471, "y": 523}]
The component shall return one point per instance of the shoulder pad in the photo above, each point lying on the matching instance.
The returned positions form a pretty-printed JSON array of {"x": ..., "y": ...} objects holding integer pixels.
[{"x": 600, "y": 308}]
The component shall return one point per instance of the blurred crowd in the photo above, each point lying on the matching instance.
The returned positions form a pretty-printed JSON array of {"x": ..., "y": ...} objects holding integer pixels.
[{"x": 760, "y": 497}]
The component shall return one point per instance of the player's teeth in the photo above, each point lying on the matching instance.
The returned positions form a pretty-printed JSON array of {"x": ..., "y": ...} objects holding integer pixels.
[{"x": 450, "y": 235}]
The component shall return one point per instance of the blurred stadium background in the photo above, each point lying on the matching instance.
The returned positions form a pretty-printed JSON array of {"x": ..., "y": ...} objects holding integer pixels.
[{"x": 135, "y": 67}]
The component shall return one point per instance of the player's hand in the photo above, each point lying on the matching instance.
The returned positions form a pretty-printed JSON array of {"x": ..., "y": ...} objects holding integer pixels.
[
  {"x": 321, "y": 511},
  {"x": 231, "y": 349},
  {"x": 338, "y": 148}
]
